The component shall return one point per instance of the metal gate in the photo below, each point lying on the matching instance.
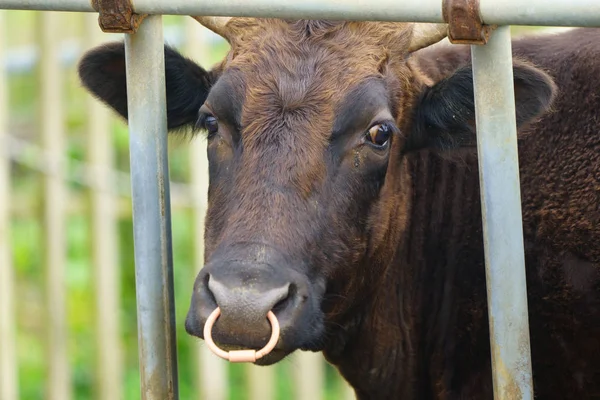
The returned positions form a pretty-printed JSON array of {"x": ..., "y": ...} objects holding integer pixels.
[{"x": 496, "y": 145}]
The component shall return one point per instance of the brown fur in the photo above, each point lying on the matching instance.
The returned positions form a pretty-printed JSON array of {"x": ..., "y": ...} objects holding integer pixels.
[
  {"x": 390, "y": 240},
  {"x": 438, "y": 338}
]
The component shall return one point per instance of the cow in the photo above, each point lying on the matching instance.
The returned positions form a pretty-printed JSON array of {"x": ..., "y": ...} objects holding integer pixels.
[{"x": 344, "y": 197}]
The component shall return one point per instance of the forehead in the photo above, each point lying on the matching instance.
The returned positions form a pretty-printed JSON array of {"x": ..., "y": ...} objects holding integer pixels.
[
  {"x": 298, "y": 68},
  {"x": 302, "y": 49}
]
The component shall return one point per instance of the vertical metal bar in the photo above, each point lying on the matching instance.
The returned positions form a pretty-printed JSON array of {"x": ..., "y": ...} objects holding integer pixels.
[
  {"x": 146, "y": 100},
  {"x": 501, "y": 210},
  {"x": 212, "y": 378},
  {"x": 52, "y": 132},
  {"x": 9, "y": 385},
  {"x": 103, "y": 237}
]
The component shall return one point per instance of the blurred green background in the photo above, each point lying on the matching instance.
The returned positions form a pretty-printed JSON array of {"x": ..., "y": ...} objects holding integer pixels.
[{"x": 27, "y": 237}]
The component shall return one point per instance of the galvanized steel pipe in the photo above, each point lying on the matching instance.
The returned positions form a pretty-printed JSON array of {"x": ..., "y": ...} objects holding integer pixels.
[
  {"x": 500, "y": 12},
  {"x": 146, "y": 102},
  {"x": 47, "y": 5},
  {"x": 502, "y": 221}
]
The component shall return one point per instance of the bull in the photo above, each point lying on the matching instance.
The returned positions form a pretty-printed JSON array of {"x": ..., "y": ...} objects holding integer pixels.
[{"x": 344, "y": 197}]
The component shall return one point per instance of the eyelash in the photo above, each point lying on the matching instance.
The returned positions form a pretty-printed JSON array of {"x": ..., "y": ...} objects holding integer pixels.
[
  {"x": 201, "y": 120},
  {"x": 201, "y": 123}
]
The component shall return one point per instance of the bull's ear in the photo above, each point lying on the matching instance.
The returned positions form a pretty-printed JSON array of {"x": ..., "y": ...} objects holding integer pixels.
[
  {"x": 102, "y": 72},
  {"x": 444, "y": 117}
]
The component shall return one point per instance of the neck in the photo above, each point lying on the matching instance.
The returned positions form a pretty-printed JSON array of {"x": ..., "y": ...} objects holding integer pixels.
[{"x": 402, "y": 343}]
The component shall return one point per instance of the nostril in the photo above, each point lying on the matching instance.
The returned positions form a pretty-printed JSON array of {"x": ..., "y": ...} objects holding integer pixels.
[{"x": 287, "y": 300}]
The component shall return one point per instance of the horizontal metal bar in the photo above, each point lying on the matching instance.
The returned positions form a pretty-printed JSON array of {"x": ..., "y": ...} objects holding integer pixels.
[
  {"x": 501, "y": 212},
  {"x": 381, "y": 10},
  {"x": 47, "y": 5},
  {"x": 501, "y": 12},
  {"x": 541, "y": 12}
]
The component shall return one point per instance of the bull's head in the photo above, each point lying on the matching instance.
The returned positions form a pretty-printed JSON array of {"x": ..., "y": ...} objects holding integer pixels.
[{"x": 308, "y": 125}]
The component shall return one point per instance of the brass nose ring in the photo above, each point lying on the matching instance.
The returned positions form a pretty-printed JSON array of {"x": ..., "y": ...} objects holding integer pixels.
[{"x": 238, "y": 356}]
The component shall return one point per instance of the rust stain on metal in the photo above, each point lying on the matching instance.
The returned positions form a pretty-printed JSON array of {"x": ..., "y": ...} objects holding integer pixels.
[
  {"x": 506, "y": 381},
  {"x": 161, "y": 194},
  {"x": 465, "y": 25},
  {"x": 507, "y": 386},
  {"x": 117, "y": 16}
]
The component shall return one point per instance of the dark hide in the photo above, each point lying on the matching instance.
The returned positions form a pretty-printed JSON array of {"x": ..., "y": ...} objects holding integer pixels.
[{"x": 385, "y": 241}]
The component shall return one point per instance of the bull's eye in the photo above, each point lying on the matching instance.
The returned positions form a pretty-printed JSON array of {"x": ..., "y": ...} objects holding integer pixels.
[
  {"x": 379, "y": 135},
  {"x": 211, "y": 124}
]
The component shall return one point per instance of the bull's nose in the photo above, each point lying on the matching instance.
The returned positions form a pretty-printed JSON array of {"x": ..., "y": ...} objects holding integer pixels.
[
  {"x": 245, "y": 296},
  {"x": 248, "y": 305}
]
